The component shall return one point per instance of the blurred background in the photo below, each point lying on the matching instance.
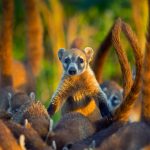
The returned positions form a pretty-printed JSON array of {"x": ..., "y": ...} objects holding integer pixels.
[{"x": 63, "y": 21}]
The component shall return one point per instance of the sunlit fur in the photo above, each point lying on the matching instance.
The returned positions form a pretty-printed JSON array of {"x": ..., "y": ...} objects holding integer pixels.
[{"x": 79, "y": 92}]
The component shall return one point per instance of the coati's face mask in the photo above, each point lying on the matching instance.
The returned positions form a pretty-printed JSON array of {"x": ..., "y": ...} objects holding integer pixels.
[
  {"x": 114, "y": 96},
  {"x": 75, "y": 61}
]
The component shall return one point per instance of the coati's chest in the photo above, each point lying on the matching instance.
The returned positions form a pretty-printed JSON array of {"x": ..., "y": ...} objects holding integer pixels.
[
  {"x": 82, "y": 103},
  {"x": 82, "y": 96}
]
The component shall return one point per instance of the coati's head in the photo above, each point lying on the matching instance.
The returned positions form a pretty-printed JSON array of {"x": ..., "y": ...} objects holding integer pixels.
[
  {"x": 114, "y": 94},
  {"x": 75, "y": 61},
  {"x": 19, "y": 99}
]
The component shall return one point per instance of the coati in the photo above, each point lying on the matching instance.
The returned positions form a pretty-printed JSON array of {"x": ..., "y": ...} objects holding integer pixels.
[
  {"x": 114, "y": 94},
  {"x": 37, "y": 116},
  {"x": 145, "y": 116},
  {"x": 24, "y": 107},
  {"x": 78, "y": 90},
  {"x": 19, "y": 103},
  {"x": 75, "y": 123}
]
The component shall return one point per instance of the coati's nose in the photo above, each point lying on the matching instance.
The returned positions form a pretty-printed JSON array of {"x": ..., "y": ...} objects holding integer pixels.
[{"x": 72, "y": 71}]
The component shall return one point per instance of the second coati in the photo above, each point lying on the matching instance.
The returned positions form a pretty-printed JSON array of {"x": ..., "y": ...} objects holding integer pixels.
[
  {"x": 78, "y": 90},
  {"x": 114, "y": 94}
]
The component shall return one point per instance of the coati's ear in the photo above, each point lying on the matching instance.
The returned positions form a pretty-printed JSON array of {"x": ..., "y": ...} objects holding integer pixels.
[
  {"x": 121, "y": 91},
  {"x": 60, "y": 53},
  {"x": 89, "y": 52},
  {"x": 32, "y": 96},
  {"x": 9, "y": 97}
]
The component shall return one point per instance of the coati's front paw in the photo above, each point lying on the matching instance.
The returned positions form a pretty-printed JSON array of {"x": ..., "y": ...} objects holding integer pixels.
[
  {"x": 51, "y": 109},
  {"x": 105, "y": 112}
]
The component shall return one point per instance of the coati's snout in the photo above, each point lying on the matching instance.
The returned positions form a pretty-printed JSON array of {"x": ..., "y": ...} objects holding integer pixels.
[
  {"x": 72, "y": 71},
  {"x": 75, "y": 61}
]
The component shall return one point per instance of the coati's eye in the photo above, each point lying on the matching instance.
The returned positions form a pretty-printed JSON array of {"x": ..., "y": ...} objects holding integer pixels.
[
  {"x": 81, "y": 60},
  {"x": 67, "y": 60},
  {"x": 115, "y": 101}
]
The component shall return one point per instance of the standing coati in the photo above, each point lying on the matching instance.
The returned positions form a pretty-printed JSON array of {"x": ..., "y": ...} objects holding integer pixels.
[{"x": 78, "y": 90}]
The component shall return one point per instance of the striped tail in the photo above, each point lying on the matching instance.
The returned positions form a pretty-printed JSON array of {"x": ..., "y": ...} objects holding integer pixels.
[
  {"x": 146, "y": 76},
  {"x": 34, "y": 36},
  {"x": 132, "y": 91},
  {"x": 6, "y": 58}
]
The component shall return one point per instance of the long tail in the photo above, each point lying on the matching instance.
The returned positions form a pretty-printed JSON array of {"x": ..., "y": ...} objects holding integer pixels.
[
  {"x": 101, "y": 56},
  {"x": 6, "y": 57},
  {"x": 8, "y": 141},
  {"x": 34, "y": 36},
  {"x": 131, "y": 94},
  {"x": 146, "y": 76},
  {"x": 123, "y": 60}
]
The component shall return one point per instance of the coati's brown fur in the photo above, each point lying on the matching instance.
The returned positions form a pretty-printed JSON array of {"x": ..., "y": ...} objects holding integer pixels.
[
  {"x": 146, "y": 76},
  {"x": 131, "y": 94},
  {"x": 112, "y": 90},
  {"x": 6, "y": 68},
  {"x": 24, "y": 107},
  {"x": 39, "y": 119},
  {"x": 132, "y": 136},
  {"x": 71, "y": 128},
  {"x": 98, "y": 65},
  {"x": 114, "y": 94},
  {"x": 98, "y": 137},
  {"x": 34, "y": 36},
  {"x": 79, "y": 92},
  {"x": 8, "y": 142},
  {"x": 32, "y": 139},
  {"x": 19, "y": 104},
  {"x": 23, "y": 77}
]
